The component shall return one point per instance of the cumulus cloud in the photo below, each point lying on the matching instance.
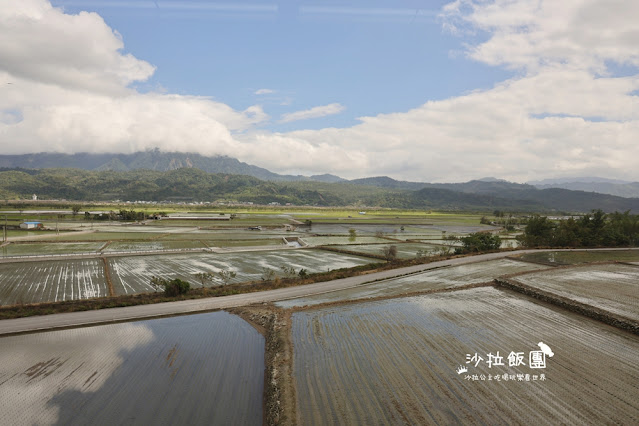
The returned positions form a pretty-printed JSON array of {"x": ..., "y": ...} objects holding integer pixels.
[
  {"x": 70, "y": 92},
  {"x": 315, "y": 112},
  {"x": 566, "y": 112},
  {"x": 532, "y": 34}
]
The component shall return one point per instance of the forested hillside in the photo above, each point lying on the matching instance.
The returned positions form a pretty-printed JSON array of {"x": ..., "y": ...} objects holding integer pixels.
[{"x": 191, "y": 184}]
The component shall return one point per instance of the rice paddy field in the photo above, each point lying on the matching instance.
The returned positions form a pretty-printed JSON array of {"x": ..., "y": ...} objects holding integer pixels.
[
  {"x": 576, "y": 257},
  {"x": 152, "y": 245},
  {"x": 199, "y": 370},
  {"x": 435, "y": 279},
  {"x": 404, "y": 250},
  {"x": 51, "y": 281},
  {"x": 38, "y": 249},
  {"x": 133, "y": 274},
  {"x": 398, "y": 361},
  {"x": 611, "y": 287},
  {"x": 339, "y": 240}
]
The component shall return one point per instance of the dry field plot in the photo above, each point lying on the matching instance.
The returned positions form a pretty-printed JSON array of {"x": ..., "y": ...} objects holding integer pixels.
[
  {"x": 612, "y": 287},
  {"x": 51, "y": 281},
  {"x": 132, "y": 274},
  {"x": 395, "y": 361},
  {"x": 200, "y": 369},
  {"x": 434, "y": 279}
]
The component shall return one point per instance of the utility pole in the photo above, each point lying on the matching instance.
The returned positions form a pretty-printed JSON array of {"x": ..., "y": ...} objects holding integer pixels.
[
  {"x": 4, "y": 239},
  {"x": 57, "y": 230}
]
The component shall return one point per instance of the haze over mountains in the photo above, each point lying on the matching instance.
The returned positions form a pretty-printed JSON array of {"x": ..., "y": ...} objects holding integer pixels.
[{"x": 133, "y": 171}]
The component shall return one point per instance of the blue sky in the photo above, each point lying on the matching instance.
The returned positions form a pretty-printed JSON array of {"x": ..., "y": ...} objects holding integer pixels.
[
  {"x": 440, "y": 91},
  {"x": 370, "y": 57}
]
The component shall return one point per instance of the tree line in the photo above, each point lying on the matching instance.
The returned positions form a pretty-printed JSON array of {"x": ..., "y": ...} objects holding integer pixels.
[{"x": 596, "y": 229}]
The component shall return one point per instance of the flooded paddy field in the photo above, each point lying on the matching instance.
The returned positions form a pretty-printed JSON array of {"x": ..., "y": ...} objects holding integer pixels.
[
  {"x": 435, "y": 279},
  {"x": 404, "y": 250},
  {"x": 35, "y": 249},
  {"x": 333, "y": 240},
  {"x": 52, "y": 281},
  {"x": 576, "y": 257},
  {"x": 199, "y": 369},
  {"x": 153, "y": 245},
  {"x": 133, "y": 274},
  {"x": 105, "y": 236},
  {"x": 611, "y": 287},
  {"x": 398, "y": 361}
]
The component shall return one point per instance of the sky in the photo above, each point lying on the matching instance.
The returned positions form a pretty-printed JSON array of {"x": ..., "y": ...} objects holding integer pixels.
[{"x": 434, "y": 91}]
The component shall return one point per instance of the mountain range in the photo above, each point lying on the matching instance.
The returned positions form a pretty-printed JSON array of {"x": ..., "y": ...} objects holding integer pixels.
[{"x": 156, "y": 175}]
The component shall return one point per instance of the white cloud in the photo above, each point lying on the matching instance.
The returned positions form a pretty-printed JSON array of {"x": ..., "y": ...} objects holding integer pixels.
[
  {"x": 264, "y": 91},
  {"x": 532, "y": 34},
  {"x": 70, "y": 92},
  {"x": 565, "y": 113},
  {"x": 40, "y": 43},
  {"x": 315, "y": 112}
]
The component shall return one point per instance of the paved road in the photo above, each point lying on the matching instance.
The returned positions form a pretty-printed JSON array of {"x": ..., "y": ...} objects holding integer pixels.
[{"x": 79, "y": 319}]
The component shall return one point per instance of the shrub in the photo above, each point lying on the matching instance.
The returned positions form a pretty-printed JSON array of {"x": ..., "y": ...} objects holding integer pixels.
[{"x": 171, "y": 288}]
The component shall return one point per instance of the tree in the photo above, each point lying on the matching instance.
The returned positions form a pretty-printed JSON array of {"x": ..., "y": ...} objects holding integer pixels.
[
  {"x": 267, "y": 274},
  {"x": 157, "y": 282},
  {"x": 75, "y": 210},
  {"x": 226, "y": 276},
  {"x": 204, "y": 277},
  {"x": 288, "y": 271},
  {"x": 171, "y": 288},
  {"x": 390, "y": 252},
  {"x": 539, "y": 231},
  {"x": 352, "y": 235},
  {"x": 479, "y": 241}
]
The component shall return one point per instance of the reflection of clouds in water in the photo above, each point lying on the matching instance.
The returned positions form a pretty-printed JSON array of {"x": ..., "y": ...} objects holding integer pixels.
[{"x": 37, "y": 367}]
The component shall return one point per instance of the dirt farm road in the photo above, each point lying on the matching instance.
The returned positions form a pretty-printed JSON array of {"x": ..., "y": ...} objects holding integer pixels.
[{"x": 131, "y": 313}]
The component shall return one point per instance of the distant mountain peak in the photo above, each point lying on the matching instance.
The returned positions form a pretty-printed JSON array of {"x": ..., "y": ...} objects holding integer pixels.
[{"x": 491, "y": 179}]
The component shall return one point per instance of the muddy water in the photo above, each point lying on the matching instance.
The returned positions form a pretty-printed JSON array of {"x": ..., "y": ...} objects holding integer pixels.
[
  {"x": 396, "y": 361},
  {"x": 200, "y": 369}
]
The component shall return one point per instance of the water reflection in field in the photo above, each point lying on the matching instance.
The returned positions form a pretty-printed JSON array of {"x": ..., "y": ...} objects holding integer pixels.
[{"x": 199, "y": 369}]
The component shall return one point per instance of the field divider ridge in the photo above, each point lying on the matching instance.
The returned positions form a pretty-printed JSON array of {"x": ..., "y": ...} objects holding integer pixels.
[{"x": 584, "y": 309}]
